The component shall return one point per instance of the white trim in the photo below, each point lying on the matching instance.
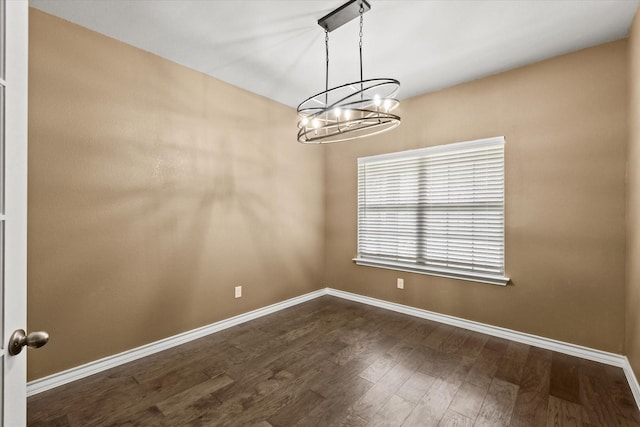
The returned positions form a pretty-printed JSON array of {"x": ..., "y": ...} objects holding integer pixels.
[
  {"x": 420, "y": 269},
  {"x": 58, "y": 379},
  {"x": 435, "y": 149},
  {"x": 632, "y": 380},
  {"x": 496, "y": 331},
  {"x": 64, "y": 377},
  {"x": 15, "y": 159}
]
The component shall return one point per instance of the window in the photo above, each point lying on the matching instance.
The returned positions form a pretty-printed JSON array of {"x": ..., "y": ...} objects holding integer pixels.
[{"x": 437, "y": 210}]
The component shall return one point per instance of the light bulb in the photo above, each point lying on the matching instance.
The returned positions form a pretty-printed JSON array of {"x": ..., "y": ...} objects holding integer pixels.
[
  {"x": 305, "y": 121},
  {"x": 387, "y": 104},
  {"x": 337, "y": 111},
  {"x": 315, "y": 123},
  {"x": 347, "y": 114},
  {"x": 376, "y": 100}
]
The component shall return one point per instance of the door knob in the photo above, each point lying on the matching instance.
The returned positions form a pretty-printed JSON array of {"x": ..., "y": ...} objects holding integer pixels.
[{"x": 20, "y": 338}]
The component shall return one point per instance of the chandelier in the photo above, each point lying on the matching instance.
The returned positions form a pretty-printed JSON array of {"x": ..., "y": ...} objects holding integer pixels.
[{"x": 352, "y": 110}]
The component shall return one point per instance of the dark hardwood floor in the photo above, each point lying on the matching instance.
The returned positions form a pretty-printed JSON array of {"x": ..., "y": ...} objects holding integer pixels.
[{"x": 334, "y": 362}]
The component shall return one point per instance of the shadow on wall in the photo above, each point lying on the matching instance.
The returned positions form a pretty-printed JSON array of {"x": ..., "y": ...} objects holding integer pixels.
[{"x": 153, "y": 191}]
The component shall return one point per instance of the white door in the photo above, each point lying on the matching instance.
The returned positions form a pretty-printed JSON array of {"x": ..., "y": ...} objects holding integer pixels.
[{"x": 13, "y": 204}]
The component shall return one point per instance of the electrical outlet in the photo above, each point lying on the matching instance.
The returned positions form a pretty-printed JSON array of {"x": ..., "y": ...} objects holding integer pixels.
[
  {"x": 238, "y": 291},
  {"x": 400, "y": 283}
]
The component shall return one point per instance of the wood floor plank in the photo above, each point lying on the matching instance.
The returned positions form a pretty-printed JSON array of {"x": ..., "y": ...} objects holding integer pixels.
[
  {"x": 178, "y": 401},
  {"x": 595, "y": 397},
  {"x": 498, "y": 404},
  {"x": 367, "y": 406},
  {"x": 563, "y": 413},
  {"x": 395, "y": 323},
  {"x": 297, "y": 360},
  {"x": 486, "y": 364},
  {"x": 272, "y": 349},
  {"x": 176, "y": 379},
  {"x": 454, "y": 419},
  {"x": 327, "y": 382},
  {"x": 147, "y": 417},
  {"x": 474, "y": 344},
  {"x": 256, "y": 403},
  {"x": 189, "y": 411},
  {"x": 432, "y": 407},
  {"x": 378, "y": 369},
  {"x": 157, "y": 366},
  {"x": 335, "y": 405},
  {"x": 62, "y": 421},
  {"x": 418, "y": 330},
  {"x": 416, "y": 387},
  {"x": 289, "y": 394},
  {"x": 438, "y": 336},
  {"x": 437, "y": 363},
  {"x": 362, "y": 345},
  {"x": 564, "y": 381},
  {"x": 293, "y": 412},
  {"x": 353, "y": 421},
  {"x": 468, "y": 400},
  {"x": 305, "y": 360},
  {"x": 262, "y": 423},
  {"x": 512, "y": 363},
  {"x": 100, "y": 409},
  {"x": 532, "y": 401},
  {"x": 454, "y": 341},
  {"x": 393, "y": 413},
  {"x": 497, "y": 344},
  {"x": 331, "y": 362},
  {"x": 400, "y": 350},
  {"x": 234, "y": 363},
  {"x": 150, "y": 393},
  {"x": 621, "y": 397},
  {"x": 375, "y": 371},
  {"x": 64, "y": 399}
]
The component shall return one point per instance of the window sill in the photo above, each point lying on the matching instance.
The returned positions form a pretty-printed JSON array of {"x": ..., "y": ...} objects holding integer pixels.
[{"x": 412, "y": 268}]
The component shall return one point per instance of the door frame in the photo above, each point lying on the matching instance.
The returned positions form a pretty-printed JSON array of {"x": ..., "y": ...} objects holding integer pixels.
[{"x": 15, "y": 213}]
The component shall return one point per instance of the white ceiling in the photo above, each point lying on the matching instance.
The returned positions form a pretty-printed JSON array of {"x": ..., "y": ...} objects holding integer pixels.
[{"x": 276, "y": 49}]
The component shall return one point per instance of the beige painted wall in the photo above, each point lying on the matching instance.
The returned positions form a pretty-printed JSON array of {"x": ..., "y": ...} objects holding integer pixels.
[
  {"x": 632, "y": 347},
  {"x": 153, "y": 191},
  {"x": 565, "y": 124}
]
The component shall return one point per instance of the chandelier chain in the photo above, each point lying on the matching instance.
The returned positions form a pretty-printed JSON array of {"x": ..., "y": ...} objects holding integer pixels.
[
  {"x": 360, "y": 43},
  {"x": 326, "y": 79}
]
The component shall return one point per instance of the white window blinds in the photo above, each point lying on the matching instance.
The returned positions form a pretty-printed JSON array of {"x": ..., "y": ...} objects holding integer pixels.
[{"x": 436, "y": 210}]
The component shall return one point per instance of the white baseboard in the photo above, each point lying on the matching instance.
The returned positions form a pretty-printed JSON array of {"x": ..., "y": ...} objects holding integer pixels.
[
  {"x": 632, "y": 380},
  {"x": 496, "y": 331},
  {"x": 82, "y": 371},
  {"x": 64, "y": 377}
]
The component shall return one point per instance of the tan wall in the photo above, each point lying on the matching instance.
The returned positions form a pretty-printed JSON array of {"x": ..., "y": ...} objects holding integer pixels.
[
  {"x": 565, "y": 124},
  {"x": 153, "y": 191},
  {"x": 632, "y": 347}
]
